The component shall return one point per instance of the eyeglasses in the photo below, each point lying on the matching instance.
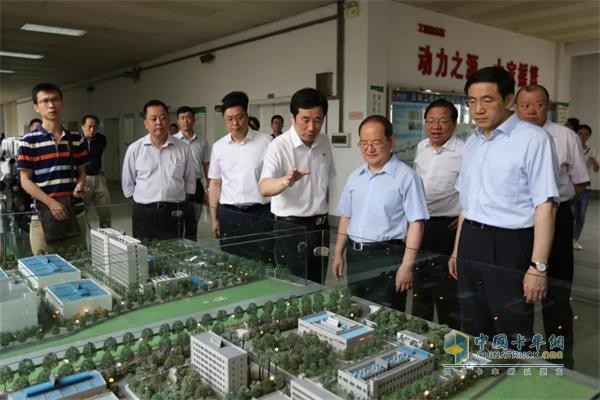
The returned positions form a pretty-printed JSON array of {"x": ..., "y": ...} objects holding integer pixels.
[
  {"x": 441, "y": 121},
  {"x": 237, "y": 118},
  {"x": 377, "y": 145},
  {"x": 527, "y": 106},
  {"x": 49, "y": 100},
  {"x": 484, "y": 102}
]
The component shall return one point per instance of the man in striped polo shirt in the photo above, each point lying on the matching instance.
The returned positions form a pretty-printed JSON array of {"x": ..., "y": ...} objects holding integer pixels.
[{"x": 50, "y": 170}]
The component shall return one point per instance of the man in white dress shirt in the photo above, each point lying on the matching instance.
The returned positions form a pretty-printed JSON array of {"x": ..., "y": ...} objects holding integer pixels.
[
  {"x": 533, "y": 104},
  {"x": 158, "y": 172},
  {"x": 438, "y": 162},
  {"x": 201, "y": 156},
  {"x": 238, "y": 212},
  {"x": 296, "y": 173}
]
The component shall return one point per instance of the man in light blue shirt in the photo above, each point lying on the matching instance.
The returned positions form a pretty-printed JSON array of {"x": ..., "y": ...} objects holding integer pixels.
[
  {"x": 508, "y": 195},
  {"x": 382, "y": 210}
]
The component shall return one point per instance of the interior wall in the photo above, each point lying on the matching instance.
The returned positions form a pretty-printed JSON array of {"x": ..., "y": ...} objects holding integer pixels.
[
  {"x": 585, "y": 99},
  {"x": 466, "y": 37}
]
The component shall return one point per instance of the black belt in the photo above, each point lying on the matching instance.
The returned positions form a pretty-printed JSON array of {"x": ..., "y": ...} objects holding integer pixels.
[
  {"x": 442, "y": 218},
  {"x": 314, "y": 220},
  {"x": 159, "y": 205},
  {"x": 245, "y": 208},
  {"x": 385, "y": 245},
  {"x": 484, "y": 227}
]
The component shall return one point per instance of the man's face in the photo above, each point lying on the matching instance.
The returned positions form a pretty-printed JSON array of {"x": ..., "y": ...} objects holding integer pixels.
[
  {"x": 186, "y": 121},
  {"x": 440, "y": 125},
  {"x": 583, "y": 134},
  {"x": 236, "y": 120},
  {"x": 49, "y": 105},
  {"x": 308, "y": 123},
  {"x": 34, "y": 126},
  {"x": 277, "y": 126},
  {"x": 374, "y": 146},
  {"x": 89, "y": 128},
  {"x": 533, "y": 107},
  {"x": 157, "y": 121},
  {"x": 487, "y": 107}
]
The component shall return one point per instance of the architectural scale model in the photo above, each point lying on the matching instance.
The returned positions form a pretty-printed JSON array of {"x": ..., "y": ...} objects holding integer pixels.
[
  {"x": 339, "y": 332},
  {"x": 18, "y": 304}
]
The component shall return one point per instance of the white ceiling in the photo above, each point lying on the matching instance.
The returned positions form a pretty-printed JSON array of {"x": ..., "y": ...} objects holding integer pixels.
[{"x": 122, "y": 34}]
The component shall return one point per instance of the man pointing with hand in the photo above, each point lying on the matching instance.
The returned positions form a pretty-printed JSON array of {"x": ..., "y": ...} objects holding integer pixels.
[{"x": 296, "y": 172}]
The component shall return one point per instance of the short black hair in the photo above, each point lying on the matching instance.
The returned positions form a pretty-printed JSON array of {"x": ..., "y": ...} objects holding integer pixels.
[
  {"x": 574, "y": 122},
  {"x": 234, "y": 99},
  {"x": 85, "y": 117},
  {"x": 584, "y": 126},
  {"x": 495, "y": 74},
  {"x": 533, "y": 88},
  {"x": 154, "y": 103},
  {"x": 443, "y": 103},
  {"x": 308, "y": 98},
  {"x": 33, "y": 121},
  {"x": 276, "y": 116},
  {"x": 185, "y": 109},
  {"x": 44, "y": 87},
  {"x": 254, "y": 123},
  {"x": 380, "y": 119}
]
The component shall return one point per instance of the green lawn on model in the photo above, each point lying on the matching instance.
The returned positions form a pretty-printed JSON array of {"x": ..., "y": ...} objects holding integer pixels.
[
  {"x": 538, "y": 387},
  {"x": 176, "y": 308}
]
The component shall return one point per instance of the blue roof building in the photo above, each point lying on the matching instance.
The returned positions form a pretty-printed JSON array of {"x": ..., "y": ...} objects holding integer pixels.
[
  {"x": 44, "y": 270},
  {"x": 340, "y": 332},
  {"x": 77, "y": 386},
  {"x": 78, "y": 297}
]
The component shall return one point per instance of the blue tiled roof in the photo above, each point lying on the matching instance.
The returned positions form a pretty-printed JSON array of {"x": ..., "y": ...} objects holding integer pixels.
[
  {"x": 47, "y": 264},
  {"x": 76, "y": 290},
  {"x": 66, "y": 385}
]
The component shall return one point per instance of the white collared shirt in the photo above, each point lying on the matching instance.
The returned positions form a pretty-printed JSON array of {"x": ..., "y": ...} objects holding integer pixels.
[
  {"x": 439, "y": 169},
  {"x": 200, "y": 152},
  {"x": 238, "y": 166},
  {"x": 571, "y": 162},
  {"x": 151, "y": 175},
  {"x": 308, "y": 196}
]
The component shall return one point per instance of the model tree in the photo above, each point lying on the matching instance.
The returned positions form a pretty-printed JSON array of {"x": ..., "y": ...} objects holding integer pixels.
[
  {"x": 6, "y": 376},
  {"x": 72, "y": 354},
  {"x": 25, "y": 367},
  {"x": 191, "y": 324},
  {"x": 177, "y": 327},
  {"x": 128, "y": 339},
  {"x": 164, "y": 330},
  {"x": 89, "y": 350},
  {"x": 50, "y": 361},
  {"x": 110, "y": 345},
  {"x": 147, "y": 334}
]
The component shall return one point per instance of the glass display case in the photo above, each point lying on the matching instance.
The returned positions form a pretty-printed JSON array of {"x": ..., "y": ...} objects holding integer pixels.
[{"x": 131, "y": 307}]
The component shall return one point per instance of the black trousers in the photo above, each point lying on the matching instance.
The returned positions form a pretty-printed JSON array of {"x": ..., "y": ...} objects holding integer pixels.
[
  {"x": 492, "y": 263},
  {"x": 433, "y": 285},
  {"x": 380, "y": 289},
  {"x": 295, "y": 248},
  {"x": 160, "y": 221},
  {"x": 194, "y": 207},
  {"x": 246, "y": 231},
  {"x": 557, "y": 311}
]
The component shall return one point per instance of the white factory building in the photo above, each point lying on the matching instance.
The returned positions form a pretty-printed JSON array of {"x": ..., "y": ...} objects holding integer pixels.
[
  {"x": 48, "y": 269},
  {"x": 221, "y": 364},
  {"x": 339, "y": 332},
  {"x": 121, "y": 257},
  {"x": 18, "y": 304}
]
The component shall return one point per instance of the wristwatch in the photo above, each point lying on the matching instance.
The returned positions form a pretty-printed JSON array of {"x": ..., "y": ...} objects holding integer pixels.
[{"x": 540, "y": 266}]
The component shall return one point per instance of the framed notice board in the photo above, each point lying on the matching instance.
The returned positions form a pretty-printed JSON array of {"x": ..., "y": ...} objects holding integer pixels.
[{"x": 407, "y": 113}]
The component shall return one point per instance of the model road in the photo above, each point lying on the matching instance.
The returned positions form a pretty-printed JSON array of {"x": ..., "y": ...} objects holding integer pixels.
[{"x": 98, "y": 341}]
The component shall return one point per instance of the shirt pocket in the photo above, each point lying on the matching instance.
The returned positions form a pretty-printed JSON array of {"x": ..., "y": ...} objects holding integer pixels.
[
  {"x": 175, "y": 168},
  {"x": 391, "y": 201}
]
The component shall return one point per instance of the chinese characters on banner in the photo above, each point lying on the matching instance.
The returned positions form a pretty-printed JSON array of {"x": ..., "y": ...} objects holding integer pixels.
[{"x": 457, "y": 66}]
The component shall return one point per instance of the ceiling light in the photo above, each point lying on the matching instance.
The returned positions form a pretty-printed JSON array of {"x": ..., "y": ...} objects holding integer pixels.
[
  {"x": 20, "y": 55},
  {"x": 6, "y": 71},
  {"x": 57, "y": 30}
]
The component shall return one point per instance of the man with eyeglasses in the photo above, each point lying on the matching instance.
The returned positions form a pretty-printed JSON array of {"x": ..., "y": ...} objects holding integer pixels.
[
  {"x": 437, "y": 162},
  {"x": 508, "y": 195},
  {"x": 158, "y": 172},
  {"x": 296, "y": 174},
  {"x": 238, "y": 211},
  {"x": 51, "y": 163},
  {"x": 382, "y": 211},
  {"x": 533, "y": 104}
]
